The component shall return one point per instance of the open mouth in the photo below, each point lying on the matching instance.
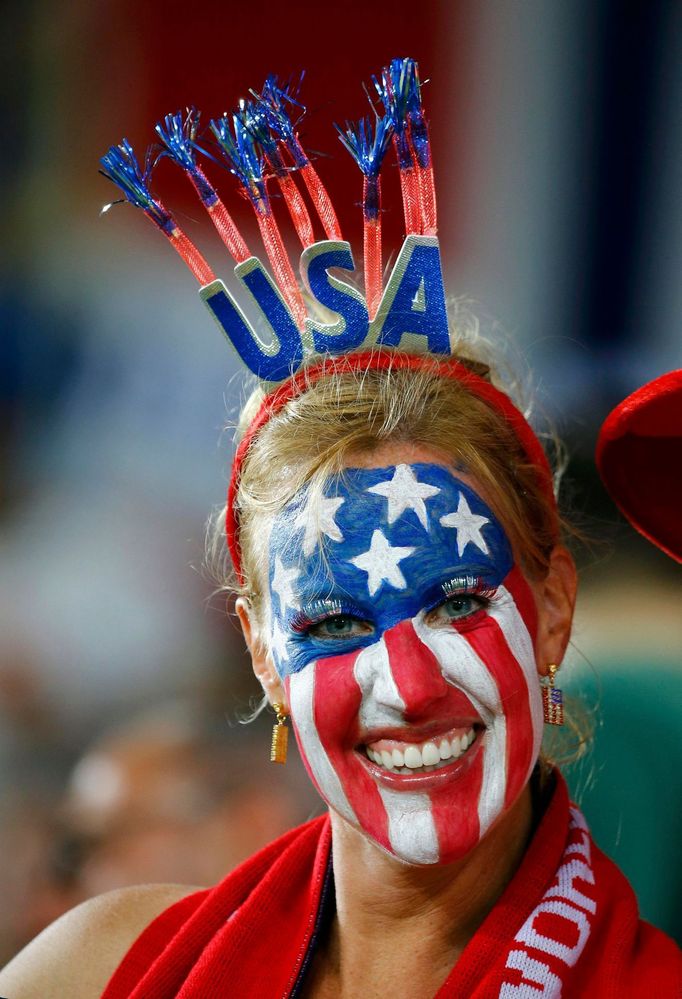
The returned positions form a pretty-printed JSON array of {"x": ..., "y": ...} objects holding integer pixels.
[{"x": 422, "y": 757}]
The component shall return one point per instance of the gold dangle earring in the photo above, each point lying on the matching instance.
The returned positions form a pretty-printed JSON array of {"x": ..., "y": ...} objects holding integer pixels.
[
  {"x": 280, "y": 736},
  {"x": 552, "y": 698}
]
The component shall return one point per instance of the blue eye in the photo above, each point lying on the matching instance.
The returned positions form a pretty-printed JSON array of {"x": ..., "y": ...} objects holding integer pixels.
[
  {"x": 456, "y": 608},
  {"x": 340, "y": 626}
]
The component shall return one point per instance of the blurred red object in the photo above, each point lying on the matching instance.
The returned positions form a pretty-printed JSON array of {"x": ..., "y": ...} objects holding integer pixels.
[{"x": 639, "y": 457}]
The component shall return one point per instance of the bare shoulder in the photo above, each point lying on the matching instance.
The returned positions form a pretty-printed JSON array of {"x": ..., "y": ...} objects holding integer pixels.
[{"x": 77, "y": 955}]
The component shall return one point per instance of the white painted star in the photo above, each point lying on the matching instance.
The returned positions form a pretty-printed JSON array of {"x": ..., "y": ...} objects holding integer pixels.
[
  {"x": 468, "y": 526},
  {"x": 282, "y": 584},
  {"x": 317, "y": 517},
  {"x": 380, "y": 563},
  {"x": 405, "y": 492},
  {"x": 278, "y": 643}
]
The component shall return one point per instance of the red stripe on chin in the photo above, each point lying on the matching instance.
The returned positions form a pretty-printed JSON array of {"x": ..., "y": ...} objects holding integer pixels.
[{"x": 455, "y": 812}]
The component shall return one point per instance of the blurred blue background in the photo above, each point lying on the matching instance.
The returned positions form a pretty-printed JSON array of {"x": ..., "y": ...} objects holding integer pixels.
[{"x": 557, "y": 134}]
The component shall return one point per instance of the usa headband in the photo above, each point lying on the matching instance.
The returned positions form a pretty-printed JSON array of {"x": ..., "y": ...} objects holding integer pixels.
[{"x": 325, "y": 323}]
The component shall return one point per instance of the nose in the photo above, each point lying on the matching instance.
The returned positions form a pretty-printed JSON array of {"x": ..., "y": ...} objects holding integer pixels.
[{"x": 416, "y": 671}]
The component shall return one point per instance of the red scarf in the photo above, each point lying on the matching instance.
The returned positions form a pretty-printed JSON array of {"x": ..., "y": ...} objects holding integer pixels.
[{"x": 566, "y": 925}]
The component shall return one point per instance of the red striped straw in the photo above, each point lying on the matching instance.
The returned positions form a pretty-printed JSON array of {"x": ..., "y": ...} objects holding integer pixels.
[
  {"x": 412, "y": 206},
  {"x": 228, "y": 231},
  {"x": 281, "y": 265},
  {"x": 322, "y": 202},
  {"x": 297, "y": 209},
  {"x": 221, "y": 218},
  {"x": 427, "y": 201},
  {"x": 183, "y": 245},
  {"x": 372, "y": 247}
]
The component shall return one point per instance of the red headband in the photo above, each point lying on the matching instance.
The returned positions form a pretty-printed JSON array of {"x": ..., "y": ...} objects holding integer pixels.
[{"x": 380, "y": 361}]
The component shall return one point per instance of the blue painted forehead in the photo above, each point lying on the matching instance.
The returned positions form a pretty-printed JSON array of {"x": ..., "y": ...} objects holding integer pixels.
[{"x": 380, "y": 534}]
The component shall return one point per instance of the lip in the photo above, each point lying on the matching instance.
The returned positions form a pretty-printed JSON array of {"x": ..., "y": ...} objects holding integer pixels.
[
  {"x": 423, "y": 733},
  {"x": 424, "y": 781}
]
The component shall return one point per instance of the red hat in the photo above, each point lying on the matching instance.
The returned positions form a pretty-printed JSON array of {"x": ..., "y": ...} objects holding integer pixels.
[{"x": 639, "y": 457}]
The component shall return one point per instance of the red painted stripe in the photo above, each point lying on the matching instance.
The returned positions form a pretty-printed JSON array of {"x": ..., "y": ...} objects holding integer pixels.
[
  {"x": 426, "y": 693},
  {"x": 428, "y": 696},
  {"x": 524, "y": 600},
  {"x": 489, "y": 643},
  {"x": 336, "y": 705},
  {"x": 455, "y": 809}
]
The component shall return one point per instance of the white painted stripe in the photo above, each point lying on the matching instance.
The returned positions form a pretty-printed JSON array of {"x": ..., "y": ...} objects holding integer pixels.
[
  {"x": 411, "y": 827},
  {"x": 466, "y": 671},
  {"x": 301, "y": 702},
  {"x": 518, "y": 639},
  {"x": 494, "y": 783},
  {"x": 461, "y": 667},
  {"x": 381, "y": 704}
]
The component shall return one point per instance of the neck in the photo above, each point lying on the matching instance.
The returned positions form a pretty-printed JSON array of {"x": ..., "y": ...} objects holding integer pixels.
[{"x": 380, "y": 899}]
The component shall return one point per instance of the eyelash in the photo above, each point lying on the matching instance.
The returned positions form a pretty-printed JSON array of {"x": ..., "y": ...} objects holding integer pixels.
[
  {"x": 468, "y": 586},
  {"x": 320, "y": 611}
]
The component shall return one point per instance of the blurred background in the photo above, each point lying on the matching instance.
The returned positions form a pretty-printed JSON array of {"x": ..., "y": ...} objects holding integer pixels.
[{"x": 557, "y": 136}]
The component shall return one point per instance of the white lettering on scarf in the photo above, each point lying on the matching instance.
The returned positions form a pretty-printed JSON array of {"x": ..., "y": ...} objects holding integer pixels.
[{"x": 570, "y": 909}]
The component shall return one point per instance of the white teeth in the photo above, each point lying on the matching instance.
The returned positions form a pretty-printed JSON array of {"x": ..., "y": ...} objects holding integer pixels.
[{"x": 427, "y": 757}]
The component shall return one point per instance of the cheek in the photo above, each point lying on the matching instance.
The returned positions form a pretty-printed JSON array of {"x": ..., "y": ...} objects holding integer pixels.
[
  {"x": 511, "y": 744},
  {"x": 494, "y": 665},
  {"x": 324, "y": 700},
  {"x": 326, "y": 703}
]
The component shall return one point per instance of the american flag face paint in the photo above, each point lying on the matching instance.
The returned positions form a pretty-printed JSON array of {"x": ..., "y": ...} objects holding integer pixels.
[{"x": 404, "y": 633}]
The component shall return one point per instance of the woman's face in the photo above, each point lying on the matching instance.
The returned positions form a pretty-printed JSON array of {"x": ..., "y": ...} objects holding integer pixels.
[{"x": 404, "y": 634}]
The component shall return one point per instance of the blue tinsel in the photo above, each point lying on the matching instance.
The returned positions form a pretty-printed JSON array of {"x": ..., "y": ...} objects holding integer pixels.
[
  {"x": 274, "y": 102},
  {"x": 367, "y": 145},
  {"x": 240, "y": 152},
  {"x": 121, "y": 167},
  {"x": 256, "y": 123},
  {"x": 396, "y": 90},
  {"x": 178, "y": 135},
  {"x": 419, "y": 132}
]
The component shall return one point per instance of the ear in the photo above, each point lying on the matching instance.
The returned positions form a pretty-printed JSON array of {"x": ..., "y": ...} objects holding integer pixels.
[
  {"x": 555, "y": 599},
  {"x": 261, "y": 660}
]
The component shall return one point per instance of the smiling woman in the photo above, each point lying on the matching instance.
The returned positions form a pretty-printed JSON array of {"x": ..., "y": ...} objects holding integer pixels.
[{"x": 404, "y": 592}]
